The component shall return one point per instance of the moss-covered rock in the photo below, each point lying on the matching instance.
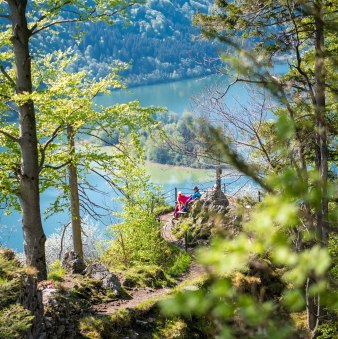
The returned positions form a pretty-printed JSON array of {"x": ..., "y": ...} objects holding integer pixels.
[
  {"x": 111, "y": 326},
  {"x": 146, "y": 276},
  {"x": 172, "y": 329},
  {"x": 91, "y": 291}
]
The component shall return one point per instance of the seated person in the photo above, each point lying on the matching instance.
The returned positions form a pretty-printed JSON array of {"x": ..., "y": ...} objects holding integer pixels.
[
  {"x": 193, "y": 197},
  {"x": 181, "y": 201}
]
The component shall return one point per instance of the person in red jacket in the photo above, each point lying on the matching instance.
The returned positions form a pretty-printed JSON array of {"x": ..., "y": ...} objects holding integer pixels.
[{"x": 181, "y": 200}]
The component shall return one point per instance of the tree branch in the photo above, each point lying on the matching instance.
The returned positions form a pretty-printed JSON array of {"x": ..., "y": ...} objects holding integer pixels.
[
  {"x": 53, "y": 24},
  {"x": 34, "y": 29},
  {"x": 10, "y": 136},
  {"x": 59, "y": 166},
  {"x": 43, "y": 149},
  {"x": 7, "y": 76}
]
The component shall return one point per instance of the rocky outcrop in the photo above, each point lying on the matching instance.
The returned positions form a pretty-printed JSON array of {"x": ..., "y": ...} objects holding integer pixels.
[
  {"x": 64, "y": 307},
  {"x": 61, "y": 315},
  {"x": 205, "y": 217},
  {"x": 214, "y": 201},
  {"x": 73, "y": 263},
  {"x": 109, "y": 280}
]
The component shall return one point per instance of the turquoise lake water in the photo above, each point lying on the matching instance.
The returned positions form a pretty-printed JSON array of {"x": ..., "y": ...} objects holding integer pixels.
[{"x": 177, "y": 97}]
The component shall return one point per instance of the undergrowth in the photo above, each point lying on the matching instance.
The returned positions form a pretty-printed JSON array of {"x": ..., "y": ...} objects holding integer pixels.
[{"x": 14, "y": 318}]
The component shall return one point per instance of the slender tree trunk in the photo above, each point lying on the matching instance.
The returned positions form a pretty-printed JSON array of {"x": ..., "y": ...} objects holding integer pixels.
[
  {"x": 313, "y": 300},
  {"x": 34, "y": 237},
  {"x": 312, "y": 307},
  {"x": 74, "y": 197},
  {"x": 320, "y": 75}
]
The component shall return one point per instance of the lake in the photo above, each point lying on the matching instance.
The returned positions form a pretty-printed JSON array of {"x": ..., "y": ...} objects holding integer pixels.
[{"x": 176, "y": 97}]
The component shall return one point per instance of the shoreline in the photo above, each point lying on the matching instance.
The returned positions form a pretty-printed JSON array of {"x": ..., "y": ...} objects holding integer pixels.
[{"x": 163, "y": 81}]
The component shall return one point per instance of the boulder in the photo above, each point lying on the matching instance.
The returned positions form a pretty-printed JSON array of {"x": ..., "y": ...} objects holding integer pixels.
[
  {"x": 214, "y": 201},
  {"x": 109, "y": 280},
  {"x": 73, "y": 263}
]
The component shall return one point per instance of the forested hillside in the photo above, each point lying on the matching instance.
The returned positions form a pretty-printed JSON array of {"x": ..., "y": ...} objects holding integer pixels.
[
  {"x": 159, "y": 42},
  {"x": 183, "y": 148}
]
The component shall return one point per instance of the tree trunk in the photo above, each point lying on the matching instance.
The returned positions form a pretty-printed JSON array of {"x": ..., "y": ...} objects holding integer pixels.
[
  {"x": 34, "y": 237},
  {"x": 74, "y": 196},
  {"x": 313, "y": 301},
  {"x": 320, "y": 75},
  {"x": 312, "y": 307}
]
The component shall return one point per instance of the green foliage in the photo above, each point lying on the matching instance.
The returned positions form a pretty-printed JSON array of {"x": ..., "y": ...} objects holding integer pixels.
[
  {"x": 292, "y": 156},
  {"x": 56, "y": 271},
  {"x": 163, "y": 209},
  {"x": 14, "y": 321},
  {"x": 268, "y": 232},
  {"x": 156, "y": 30},
  {"x": 138, "y": 245},
  {"x": 64, "y": 99},
  {"x": 333, "y": 250},
  {"x": 328, "y": 330},
  {"x": 146, "y": 320},
  {"x": 11, "y": 275},
  {"x": 137, "y": 237},
  {"x": 90, "y": 291}
]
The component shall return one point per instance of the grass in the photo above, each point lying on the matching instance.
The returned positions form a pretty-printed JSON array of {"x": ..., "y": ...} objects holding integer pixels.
[
  {"x": 163, "y": 209},
  {"x": 180, "y": 264},
  {"x": 56, "y": 272}
]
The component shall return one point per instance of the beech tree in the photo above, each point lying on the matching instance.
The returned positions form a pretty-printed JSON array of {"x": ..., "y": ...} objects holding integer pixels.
[
  {"x": 68, "y": 126},
  {"x": 67, "y": 112},
  {"x": 26, "y": 19}
]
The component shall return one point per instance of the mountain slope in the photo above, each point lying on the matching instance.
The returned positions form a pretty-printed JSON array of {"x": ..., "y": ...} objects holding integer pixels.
[{"x": 160, "y": 43}]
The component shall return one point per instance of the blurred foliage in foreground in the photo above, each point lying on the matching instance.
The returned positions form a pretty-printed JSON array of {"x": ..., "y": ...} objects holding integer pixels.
[{"x": 292, "y": 157}]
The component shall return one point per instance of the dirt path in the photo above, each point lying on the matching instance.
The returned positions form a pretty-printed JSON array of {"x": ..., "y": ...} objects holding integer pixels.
[
  {"x": 139, "y": 295},
  {"x": 168, "y": 223}
]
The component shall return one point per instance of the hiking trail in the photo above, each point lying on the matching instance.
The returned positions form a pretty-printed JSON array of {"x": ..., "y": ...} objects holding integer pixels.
[{"x": 141, "y": 294}]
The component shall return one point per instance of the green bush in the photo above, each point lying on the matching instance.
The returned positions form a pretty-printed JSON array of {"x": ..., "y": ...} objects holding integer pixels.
[{"x": 328, "y": 330}]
